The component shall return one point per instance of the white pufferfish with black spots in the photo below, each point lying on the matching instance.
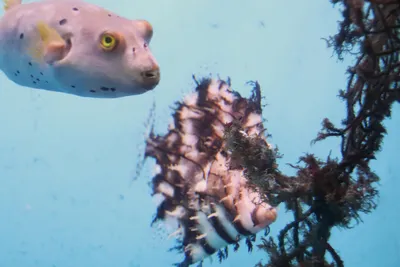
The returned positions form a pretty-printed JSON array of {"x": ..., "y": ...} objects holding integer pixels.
[{"x": 77, "y": 48}]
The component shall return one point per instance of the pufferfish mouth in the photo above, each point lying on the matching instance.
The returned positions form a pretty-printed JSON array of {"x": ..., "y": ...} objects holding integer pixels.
[{"x": 150, "y": 78}]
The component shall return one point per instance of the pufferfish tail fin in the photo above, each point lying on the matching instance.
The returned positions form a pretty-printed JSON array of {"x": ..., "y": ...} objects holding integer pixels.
[{"x": 11, "y": 3}]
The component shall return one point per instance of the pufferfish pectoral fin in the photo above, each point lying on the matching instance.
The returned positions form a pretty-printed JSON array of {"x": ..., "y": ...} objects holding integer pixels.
[
  {"x": 49, "y": 46},
  {"x": 10, "y": 3}
]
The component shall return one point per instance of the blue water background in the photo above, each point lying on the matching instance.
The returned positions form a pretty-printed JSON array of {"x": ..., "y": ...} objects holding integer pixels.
[{"x": 66, "y": 163}]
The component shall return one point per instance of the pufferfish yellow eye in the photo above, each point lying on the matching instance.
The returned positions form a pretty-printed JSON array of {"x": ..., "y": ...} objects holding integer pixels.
[{"x": 108, "y": 41}]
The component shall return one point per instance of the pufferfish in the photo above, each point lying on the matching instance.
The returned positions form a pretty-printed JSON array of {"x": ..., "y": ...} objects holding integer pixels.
[{"x": 77, "y": 48}]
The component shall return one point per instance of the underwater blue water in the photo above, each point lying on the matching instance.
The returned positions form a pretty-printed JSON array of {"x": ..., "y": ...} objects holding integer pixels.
[{"x": 67, "y": 198}]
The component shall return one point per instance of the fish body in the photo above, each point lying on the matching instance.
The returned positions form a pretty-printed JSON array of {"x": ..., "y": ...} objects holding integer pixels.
[
  {"x": 77, "y": 48},
  {"x": 201, "y": 187}
]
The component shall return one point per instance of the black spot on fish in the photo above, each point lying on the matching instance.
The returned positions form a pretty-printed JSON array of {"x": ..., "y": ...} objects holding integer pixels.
[
  {"x": 34, "y": 82},
  {"x": 31, "y": 76},
  {"x": 73, "y": 86},
  {"x": 112, "y": 89},
  {"x": 63, "y": 21},
  {"x": 75, "y": 9},
  {"x": 93, "y": 91},
  {"x": 104, "y": 88},
  {"x": 30, "y": 63},
  {"x": 18, "y": 72},
  {"x": 37, "y": 79},
  {"x": 41, "y": 73},
  {"x": 109, "y": 15},
  {"x": 46, "y": 81},
  {"x": 21, "y": 36}
]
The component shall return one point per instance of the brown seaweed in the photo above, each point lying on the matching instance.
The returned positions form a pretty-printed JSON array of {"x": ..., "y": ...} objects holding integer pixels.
[{"x": 332, "y": 192}]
